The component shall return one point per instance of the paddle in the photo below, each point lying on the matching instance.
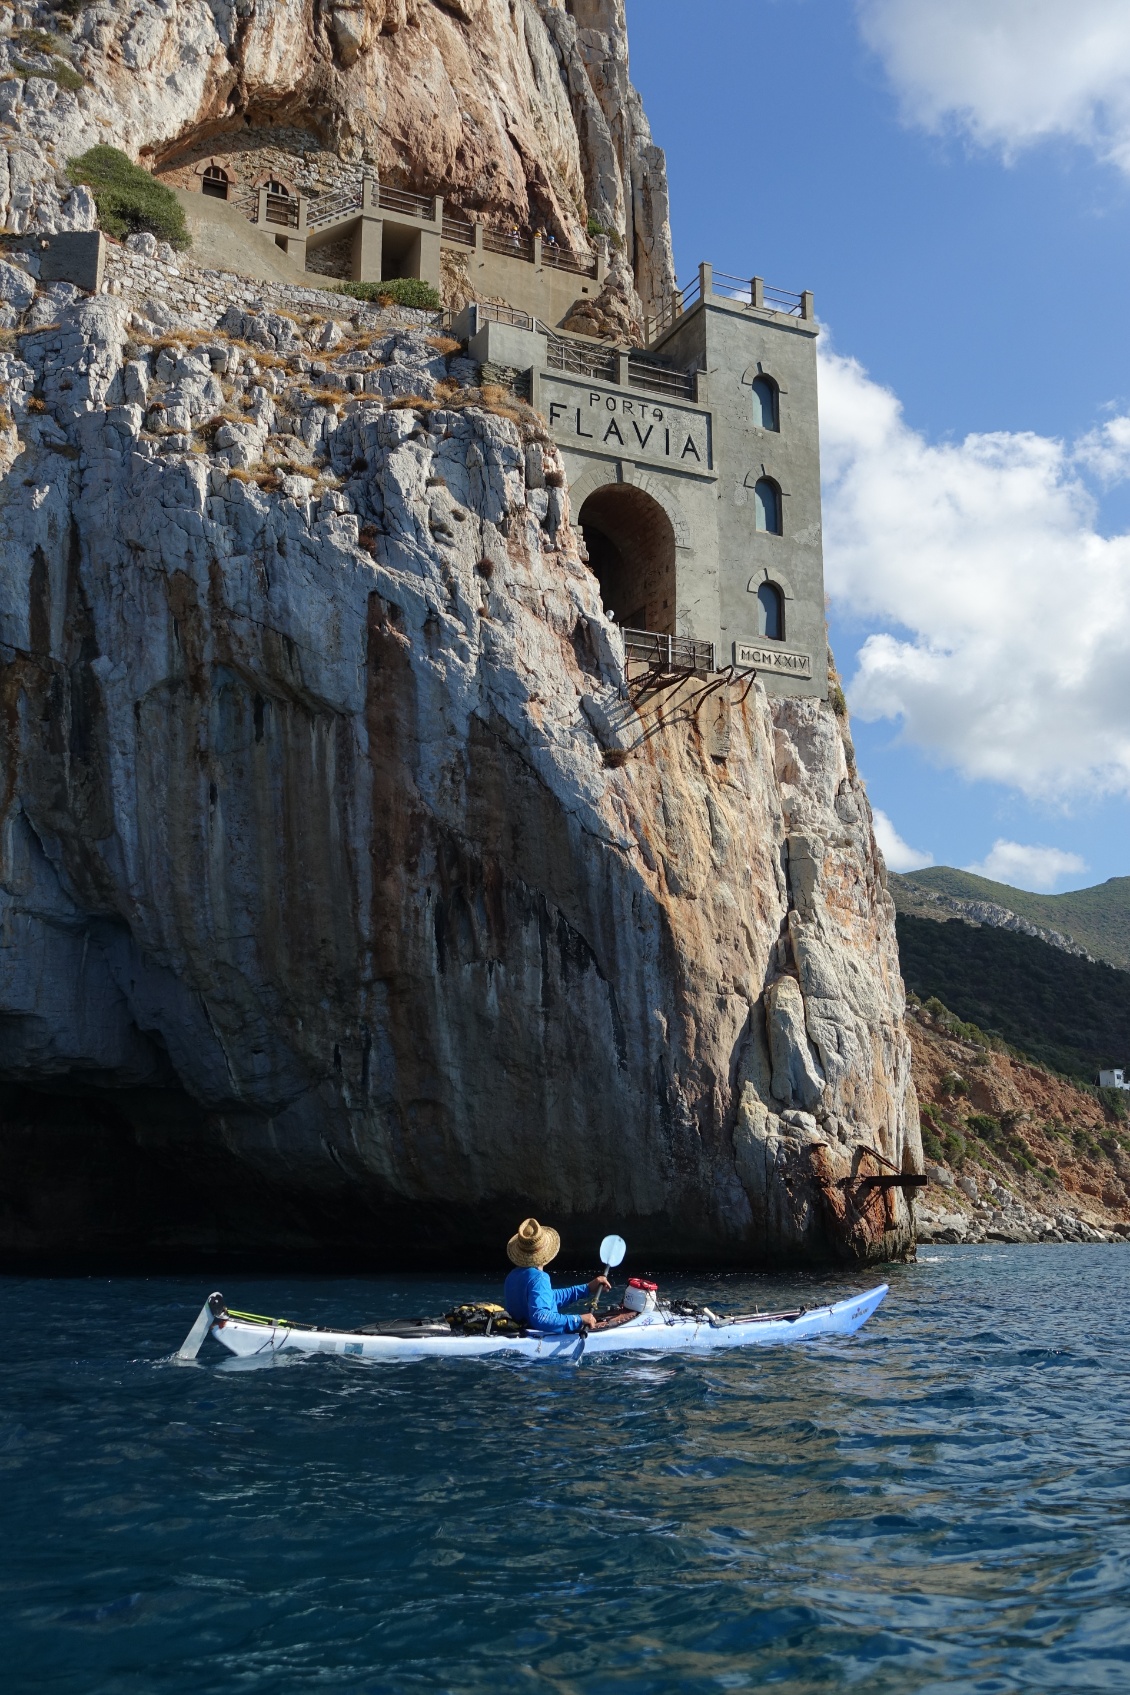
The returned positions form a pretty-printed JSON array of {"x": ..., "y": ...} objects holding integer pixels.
[{"x": 612, "y": 1251}]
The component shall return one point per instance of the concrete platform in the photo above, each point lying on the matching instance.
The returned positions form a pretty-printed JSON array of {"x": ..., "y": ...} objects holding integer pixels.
[{"x": 224, "y": 240}]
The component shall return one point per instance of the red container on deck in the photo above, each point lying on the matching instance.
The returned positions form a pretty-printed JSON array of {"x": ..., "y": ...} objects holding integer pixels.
[{"x": 640, "y": 1295}]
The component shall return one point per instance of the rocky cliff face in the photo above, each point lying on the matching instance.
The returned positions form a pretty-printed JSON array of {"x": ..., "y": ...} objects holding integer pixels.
[
  {"x": 521, "y": 110},
  {"x": 354, "y": 898},
  {"x": 352, "y": 895}
]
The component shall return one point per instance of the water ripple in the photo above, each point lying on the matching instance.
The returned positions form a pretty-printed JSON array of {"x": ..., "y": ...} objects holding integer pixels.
[{"x": 940, "y": 1504}]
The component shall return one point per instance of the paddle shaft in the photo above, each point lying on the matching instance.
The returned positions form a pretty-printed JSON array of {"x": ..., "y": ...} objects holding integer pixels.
[{"x": 596, "y": 1297}]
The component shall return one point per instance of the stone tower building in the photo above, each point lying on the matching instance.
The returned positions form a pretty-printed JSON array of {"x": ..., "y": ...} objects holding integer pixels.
[
  {"x": 694, "y": 463},
  {"x": 694, "y": 474}
]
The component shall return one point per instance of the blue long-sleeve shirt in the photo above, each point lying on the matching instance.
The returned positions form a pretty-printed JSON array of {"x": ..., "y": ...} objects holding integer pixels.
[{"x": 531, "y": 1299}]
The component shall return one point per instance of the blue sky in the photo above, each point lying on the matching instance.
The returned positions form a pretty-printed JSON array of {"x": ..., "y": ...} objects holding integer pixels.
[{"x": 959, "y": 201}]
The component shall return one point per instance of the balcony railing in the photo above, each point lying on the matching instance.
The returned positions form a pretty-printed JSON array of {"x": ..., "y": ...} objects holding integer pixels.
[
  {"x": 282, "y": 209},
  {"x": 329, "y": 206},
  {"x": 752, "y": 291},
  {"x": 681, "y": 301},
  {"x": 457, "y": 229},
  {"x": 561, "y": 259},
  {"x": 400, "y": 200},
  {"x": 673, "y": 654},
  {"x": 518, "y": 246},
  {"x": 661, "y": 380},
  {"x": 513, "y": 315},
  {"x": 749, "y": 291},
  {"x": 581, "y": 360}
]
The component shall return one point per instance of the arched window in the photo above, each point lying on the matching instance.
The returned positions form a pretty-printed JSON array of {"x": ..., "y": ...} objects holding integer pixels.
[
  {"x": 766, "y": 403},
  {"x": 771, "y": 612},
  {"x": 274, "y": 187},
  {"x": 767, "y": 506},
  {"x": 215, "y": 182}
]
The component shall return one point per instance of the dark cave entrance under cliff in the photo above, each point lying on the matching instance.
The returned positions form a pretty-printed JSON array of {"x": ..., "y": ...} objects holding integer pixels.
[{"x": 631, "y": 547}]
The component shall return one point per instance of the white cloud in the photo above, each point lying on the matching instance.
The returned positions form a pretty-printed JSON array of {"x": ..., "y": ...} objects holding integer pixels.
[
  {"x": 1105, "y": 451},
  {"x": 1038, "y": 868},
  {"x": 899, "y": 855},
  {"x": 1010, "y": 72},
  {"x": 1006, "y": 647}
]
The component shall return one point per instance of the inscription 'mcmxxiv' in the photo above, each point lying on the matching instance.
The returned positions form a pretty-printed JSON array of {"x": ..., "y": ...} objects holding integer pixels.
[{"x": 603, "y": 421}]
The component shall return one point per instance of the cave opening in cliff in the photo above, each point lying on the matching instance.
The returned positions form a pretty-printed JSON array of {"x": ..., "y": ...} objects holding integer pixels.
[{"x": 631, "y": 547}]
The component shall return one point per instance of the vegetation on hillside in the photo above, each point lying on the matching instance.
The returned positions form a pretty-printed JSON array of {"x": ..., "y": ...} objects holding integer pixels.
[
  {"x": 396, "y": 291},
  {"x": 60, "y": 71},
  {"x": 1050, "y": 1141},
  {"x": 1061, "y": 1010},
  {"x": 129, "y": 199},
  {"x": 1097, "y": 918}
]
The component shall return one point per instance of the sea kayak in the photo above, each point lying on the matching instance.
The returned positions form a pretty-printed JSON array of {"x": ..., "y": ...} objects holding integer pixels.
[{"x": 673, "y": 1327}]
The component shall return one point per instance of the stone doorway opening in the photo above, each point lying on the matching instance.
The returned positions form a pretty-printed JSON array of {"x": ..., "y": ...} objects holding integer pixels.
[{"x": 631, "y": 547}]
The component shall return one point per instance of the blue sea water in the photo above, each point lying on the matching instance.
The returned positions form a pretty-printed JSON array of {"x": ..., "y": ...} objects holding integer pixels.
[{"x": 939, "y": 1503}]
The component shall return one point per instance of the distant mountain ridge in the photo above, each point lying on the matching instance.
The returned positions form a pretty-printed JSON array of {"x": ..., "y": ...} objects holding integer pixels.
[{"x": 1091, "y": 923}]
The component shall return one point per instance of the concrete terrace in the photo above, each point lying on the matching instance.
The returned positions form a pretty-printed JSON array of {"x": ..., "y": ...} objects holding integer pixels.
[{"x": 392, "y": 232}]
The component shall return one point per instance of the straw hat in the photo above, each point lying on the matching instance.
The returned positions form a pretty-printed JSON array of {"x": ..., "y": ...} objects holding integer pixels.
[{"x": 533, "y": 1244}]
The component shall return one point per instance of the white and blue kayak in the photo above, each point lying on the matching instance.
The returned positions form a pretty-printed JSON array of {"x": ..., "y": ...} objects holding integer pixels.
[{"x": 482, "y": 1331}]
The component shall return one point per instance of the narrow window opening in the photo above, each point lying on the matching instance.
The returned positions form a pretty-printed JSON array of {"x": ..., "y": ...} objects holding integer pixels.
[
  {"x": 766, "y": 403},
  {"x": 771, "y": 612},
  {"x": 215, "y": 182},
  {"x": 274, "y": 187},
  {"x": 767, "y": 506}
]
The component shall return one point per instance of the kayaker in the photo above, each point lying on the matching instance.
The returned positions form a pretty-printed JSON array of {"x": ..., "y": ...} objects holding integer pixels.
[{"x": 529, "y": 1296}]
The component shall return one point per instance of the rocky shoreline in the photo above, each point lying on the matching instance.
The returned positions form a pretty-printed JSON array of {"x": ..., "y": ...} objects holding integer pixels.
[{"x": 950, "y": 1214}]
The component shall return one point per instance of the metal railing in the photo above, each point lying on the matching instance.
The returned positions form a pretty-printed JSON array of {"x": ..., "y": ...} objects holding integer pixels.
[
  {"x": 281, "y": 209},
  {"x": 733, "y": 288},
  {"x": 668, "y": 653},
  {"x": 680, "y": 302},
  {"x": 457, "y": 229},
  {"x": 752, "y": 291},
  {"x": 329, "y": 206},
  {"x": 513, "y": 315},
  {"x": 562, "y": 259},
  {"x": 518, "y": 246},
  {"x": 660, "y": 379},
  {"x": 400, "y": 200},
  {"x": 782, "y": 300},
  {"x": 581, "y": 359}
]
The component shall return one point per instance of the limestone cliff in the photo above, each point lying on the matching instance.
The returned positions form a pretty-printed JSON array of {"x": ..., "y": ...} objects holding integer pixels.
[
  {"x": 353, "y": 898},
  {"x": 521, "y": 110},
  {"x": 356, "y": 897}
]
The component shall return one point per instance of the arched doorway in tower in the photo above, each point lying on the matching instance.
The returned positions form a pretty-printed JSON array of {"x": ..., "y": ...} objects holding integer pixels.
[{"x": 631, "y": 547}]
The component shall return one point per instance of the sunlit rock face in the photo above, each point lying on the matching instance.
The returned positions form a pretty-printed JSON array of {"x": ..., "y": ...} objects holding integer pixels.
[
  {"x": 521, "y": 110},
  {"x": 349, "y": 891},
  {"x": 354, "y": 901}
]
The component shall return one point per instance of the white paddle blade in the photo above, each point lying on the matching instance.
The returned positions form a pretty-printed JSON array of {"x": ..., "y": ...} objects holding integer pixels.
[
  {"x": 194, "y": 1341},
  {"x": 612, "y": 1251}
]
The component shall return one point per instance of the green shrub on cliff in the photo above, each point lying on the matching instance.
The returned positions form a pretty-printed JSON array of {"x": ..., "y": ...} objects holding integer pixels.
[
  {"x": 50, "y": 47},
  {"x": 128, "y": 198},
  {"x": 1116, "y": 1103},
  {"x": 397, "y": 291}
]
